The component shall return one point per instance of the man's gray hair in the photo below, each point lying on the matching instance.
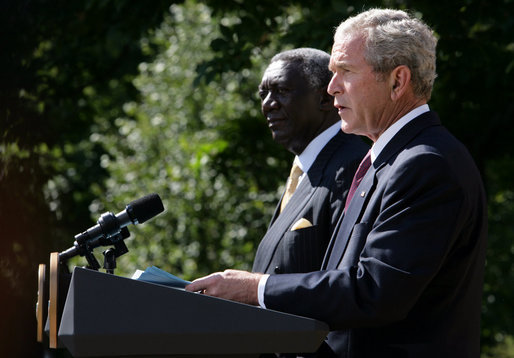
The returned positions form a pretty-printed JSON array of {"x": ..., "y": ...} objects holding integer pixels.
[
  {"x": 393, "y": 38},
  {"x": 312, "y": 64}
]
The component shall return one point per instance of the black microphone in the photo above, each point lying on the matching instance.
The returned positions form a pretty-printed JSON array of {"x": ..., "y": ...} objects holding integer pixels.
[{"x": 110, "y": 225}]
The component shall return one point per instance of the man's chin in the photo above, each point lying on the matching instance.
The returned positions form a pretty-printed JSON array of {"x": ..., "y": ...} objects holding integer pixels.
[
  {"x": 280, "y": 139},
  {"x": 346, "y": 127}
]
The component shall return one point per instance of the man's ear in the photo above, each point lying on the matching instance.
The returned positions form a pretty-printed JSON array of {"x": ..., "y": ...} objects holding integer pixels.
[
  {"x": 326, "y": 100},
  {"x": 399, "y": 80}
]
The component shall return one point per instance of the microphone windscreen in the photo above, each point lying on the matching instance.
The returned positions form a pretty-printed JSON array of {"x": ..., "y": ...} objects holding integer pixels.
[{"x": 146, "y": 207}]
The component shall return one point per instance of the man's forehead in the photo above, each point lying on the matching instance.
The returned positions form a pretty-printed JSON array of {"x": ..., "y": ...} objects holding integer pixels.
[
  {"x": 278, "y": 70},
  {"x": 345, "y": 49}
]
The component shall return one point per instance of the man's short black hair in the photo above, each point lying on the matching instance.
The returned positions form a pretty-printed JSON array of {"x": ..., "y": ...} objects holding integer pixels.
[{"x": 312, "y": 63}]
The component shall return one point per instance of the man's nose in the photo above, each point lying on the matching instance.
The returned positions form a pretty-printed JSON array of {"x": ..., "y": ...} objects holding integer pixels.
[
  {"x": 334, "y": 87},
  {"x": 269, "y": 102}
]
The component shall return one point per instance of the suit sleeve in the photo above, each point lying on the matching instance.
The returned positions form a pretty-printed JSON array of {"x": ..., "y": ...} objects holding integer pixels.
[{"x": 405, "y": 244}]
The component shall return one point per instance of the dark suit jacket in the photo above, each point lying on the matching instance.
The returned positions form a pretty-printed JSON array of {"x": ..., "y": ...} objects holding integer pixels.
[
  {"x": 404, "y": 270},
  {"x": 319, "y": 198}
]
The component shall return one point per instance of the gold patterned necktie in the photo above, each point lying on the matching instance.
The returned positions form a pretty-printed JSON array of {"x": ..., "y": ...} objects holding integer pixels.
[{"x": 292, "y": 183}]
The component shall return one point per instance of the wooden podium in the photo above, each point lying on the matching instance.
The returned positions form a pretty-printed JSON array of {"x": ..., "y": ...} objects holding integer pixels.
[
  {"x": 53, "y": 286},
  {"x": 110, "y": 316}
]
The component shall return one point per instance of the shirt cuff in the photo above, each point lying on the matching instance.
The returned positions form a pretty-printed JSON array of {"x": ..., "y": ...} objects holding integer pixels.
[{"x": 260, "y": 290}]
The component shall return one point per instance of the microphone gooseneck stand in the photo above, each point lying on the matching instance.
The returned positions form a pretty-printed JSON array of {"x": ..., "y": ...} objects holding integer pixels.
[{"x": 85, "y": 248}]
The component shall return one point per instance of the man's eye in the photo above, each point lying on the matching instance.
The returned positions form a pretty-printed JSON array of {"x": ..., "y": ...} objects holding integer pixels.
[{"x": 263, "y": 94}]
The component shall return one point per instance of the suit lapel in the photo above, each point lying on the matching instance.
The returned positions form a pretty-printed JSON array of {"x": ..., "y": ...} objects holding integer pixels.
[
  {"x": 276, "y": 213},
  {"x": 341, "y": 236},
  {"x": 282, "y": 222}
]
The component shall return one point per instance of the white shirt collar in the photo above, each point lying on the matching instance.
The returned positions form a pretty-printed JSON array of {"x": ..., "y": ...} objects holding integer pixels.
[
  {"x": 309, "y": 154},
  {"x": 390, "y": 132}
]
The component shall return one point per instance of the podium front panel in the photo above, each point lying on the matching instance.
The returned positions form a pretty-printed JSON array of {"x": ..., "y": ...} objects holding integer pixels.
[{"x": 108, "y": 315}]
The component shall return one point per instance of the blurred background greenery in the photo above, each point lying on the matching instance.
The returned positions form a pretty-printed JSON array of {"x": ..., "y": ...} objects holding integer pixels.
[{"x": 104, "y": 101}]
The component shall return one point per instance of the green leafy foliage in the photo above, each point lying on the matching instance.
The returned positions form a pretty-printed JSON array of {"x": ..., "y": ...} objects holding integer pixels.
[
  {"x": 497, "y": 317},
  {"x": 66, "y": 67},
  {"x": 202, "y": 146},
  {"x": 102, "y": 102}
]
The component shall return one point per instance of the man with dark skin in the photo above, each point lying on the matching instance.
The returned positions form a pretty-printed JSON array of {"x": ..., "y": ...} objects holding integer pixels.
[{"x": 302, "y": 118}]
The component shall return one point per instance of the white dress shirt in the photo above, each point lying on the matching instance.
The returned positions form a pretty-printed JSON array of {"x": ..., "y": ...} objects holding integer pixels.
[
  {"x": 310, "y": 153},
  {"x": 390, "y": 132}
]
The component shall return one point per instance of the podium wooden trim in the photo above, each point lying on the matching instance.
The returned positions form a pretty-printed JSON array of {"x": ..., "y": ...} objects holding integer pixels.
[
  {"x": 42, "y": 302},
  {"x": 53, "y": 299}
]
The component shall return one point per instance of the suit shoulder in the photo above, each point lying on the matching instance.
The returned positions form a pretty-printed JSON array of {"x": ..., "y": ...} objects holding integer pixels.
[
  {"x": 349, "y": 153},
  {"x": 349, "y": 147},
  {"x": 344, "y": 158}
]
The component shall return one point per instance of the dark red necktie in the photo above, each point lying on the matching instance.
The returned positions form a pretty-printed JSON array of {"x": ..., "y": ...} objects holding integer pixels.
[{"x": 359, "y": 174}]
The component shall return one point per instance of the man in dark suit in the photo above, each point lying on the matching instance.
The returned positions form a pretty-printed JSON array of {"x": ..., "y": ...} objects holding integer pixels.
[
  {"x": 301, "y": 116},
  {"x": 404, "y": 270}
]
